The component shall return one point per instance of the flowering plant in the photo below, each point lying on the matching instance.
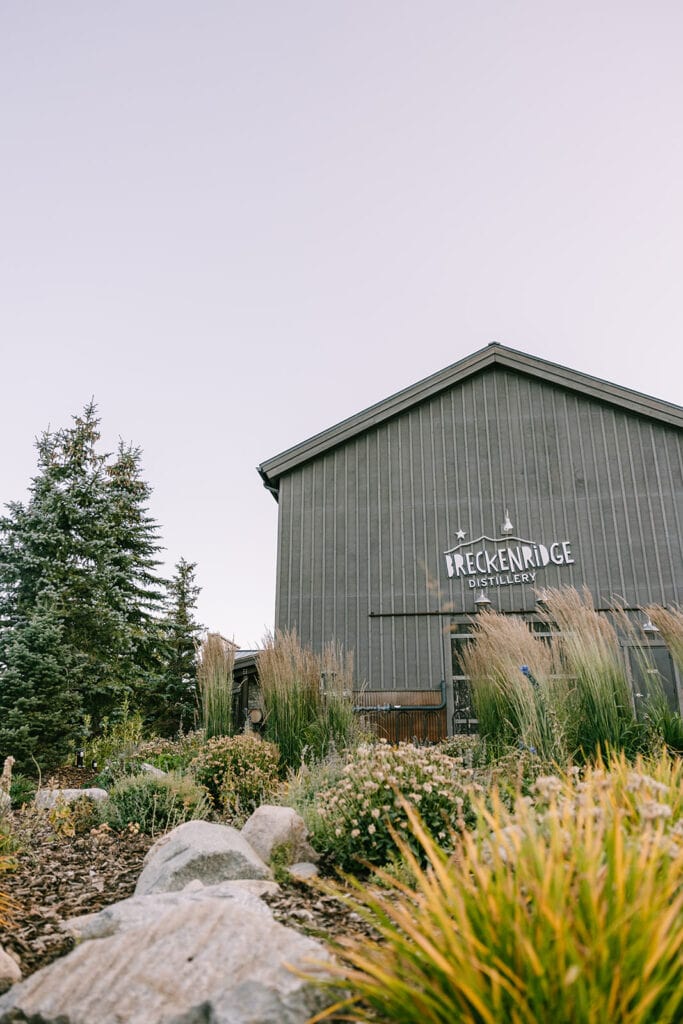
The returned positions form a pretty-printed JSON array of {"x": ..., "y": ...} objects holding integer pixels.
[{"x": 359, "y": 817}]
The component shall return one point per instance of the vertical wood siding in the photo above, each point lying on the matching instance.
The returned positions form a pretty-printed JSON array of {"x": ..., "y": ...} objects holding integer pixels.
[{"x": 363, "y": 527}]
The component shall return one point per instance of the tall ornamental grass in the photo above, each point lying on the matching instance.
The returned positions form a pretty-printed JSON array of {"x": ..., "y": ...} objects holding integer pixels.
[
  {"x": 307, "y": 699},
  {"x": 568, "y": 909},
  {"x": 602, "y": 714},
  {"x": 515, "y": 694},
  {"x": 7, "y": 904},
  {"x": 669, "y": 622},
  {"x": 214, "y": 683}
]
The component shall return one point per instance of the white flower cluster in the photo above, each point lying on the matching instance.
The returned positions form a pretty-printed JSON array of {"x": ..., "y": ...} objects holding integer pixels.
[{"x": 376, "y": 780}]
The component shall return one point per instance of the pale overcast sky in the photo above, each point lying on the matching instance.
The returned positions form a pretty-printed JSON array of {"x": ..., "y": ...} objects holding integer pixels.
[{"x": 235, "y": 224}]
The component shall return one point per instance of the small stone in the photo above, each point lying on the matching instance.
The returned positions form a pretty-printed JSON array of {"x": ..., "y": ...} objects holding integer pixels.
[
  {"x": 272, "y": 827},
  {"x": 150, "y": 769},
  {"x": 303, "y": 870}
]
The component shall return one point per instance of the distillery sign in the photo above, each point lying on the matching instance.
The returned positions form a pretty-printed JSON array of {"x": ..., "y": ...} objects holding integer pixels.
[{"x": 503, "y": 561}]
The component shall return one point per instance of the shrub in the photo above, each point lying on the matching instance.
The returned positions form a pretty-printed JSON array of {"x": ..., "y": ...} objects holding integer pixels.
[
  {"x": 167, "y": 755},
  {"x": 307, "y": 699},
  {"x": 76, "y": 818},
  {"x": 22, "y": 790},
  {"x": 238, "y": 773},
  {"x": 359, "y": 817},
  {"x": 120, "y": 736},
  {"x": 467, "y": 750},
  {"x": 155, "y": 803},
  {"x": 171, "y": 755},
  {"x": 567, "y": 909}
]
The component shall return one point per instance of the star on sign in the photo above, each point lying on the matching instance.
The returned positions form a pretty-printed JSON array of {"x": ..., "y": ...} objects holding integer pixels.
[{"x": 460, "y": 535}]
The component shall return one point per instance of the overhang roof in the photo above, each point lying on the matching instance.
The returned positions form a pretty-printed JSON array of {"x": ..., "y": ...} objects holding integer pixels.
[{"x": 493, "y": 355}]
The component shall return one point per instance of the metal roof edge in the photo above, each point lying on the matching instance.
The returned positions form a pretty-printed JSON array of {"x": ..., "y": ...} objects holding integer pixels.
[{"x": 492, "y": 354}]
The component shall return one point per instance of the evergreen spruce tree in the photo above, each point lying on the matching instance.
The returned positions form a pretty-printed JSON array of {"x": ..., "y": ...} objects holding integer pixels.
[
  {"x": 133, "y": 539},
  {"x": 176, "y": 706},
  {"x": 40, "y": 706},
  {"x": 77, "y": 580}
]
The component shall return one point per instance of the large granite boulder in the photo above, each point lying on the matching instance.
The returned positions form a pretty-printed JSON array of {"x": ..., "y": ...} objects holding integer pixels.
[
  {"x": 271, "y": 827},
  {"x": 143, "y": 910},
  {"x": 194, "y": 960},
  {"x": 10, "y": 973},
  {"x": 46, "y": 799},
  {"x": 199, "y": 850}
]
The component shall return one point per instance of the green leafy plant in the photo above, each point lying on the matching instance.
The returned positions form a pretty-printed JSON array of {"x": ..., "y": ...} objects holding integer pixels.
[
  {"x": 466, "y": 750},
  {"x": 75, "y": 818},
  {"x": 172, "y": 755},
  {"x": 118, "y": 740},
  {"x": 238, "y": 773},
  {"x": 154, "y": 803},
  {"x": 568, "y": 908},
  {"x": 22, "y": 790},
  {"x": 360, "y": 816}
]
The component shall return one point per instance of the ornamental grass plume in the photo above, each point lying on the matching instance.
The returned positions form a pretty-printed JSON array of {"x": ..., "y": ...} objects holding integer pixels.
[
  {"x": 669, "y": 622},
  {"x": 214, "y": 684},
  {"x": 512, "y": 705},
  {"x": 568, "y": 908},
  {"x": 307, "y": 699},
  {"x": 7, "y": 904},
  {"x": 602, "y": 715}
]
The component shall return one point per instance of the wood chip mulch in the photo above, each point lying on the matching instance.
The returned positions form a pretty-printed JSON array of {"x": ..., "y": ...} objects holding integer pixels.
[
  {"x": 62, "y": 876},
  {"x": 58, "y": 877}
]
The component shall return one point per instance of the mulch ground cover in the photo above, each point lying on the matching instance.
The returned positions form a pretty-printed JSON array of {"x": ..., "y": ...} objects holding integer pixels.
[{"x": 58, "y": 876}]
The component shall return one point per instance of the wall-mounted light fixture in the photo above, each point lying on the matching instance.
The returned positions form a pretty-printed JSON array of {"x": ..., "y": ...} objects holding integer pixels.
[
  {"x": 481, "y": 602},
  {"x": 649, "y": 626},
  {"x": 507, "y": 526}
]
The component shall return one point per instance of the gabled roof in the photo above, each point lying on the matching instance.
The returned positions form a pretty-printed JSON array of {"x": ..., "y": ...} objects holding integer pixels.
[{"x": 493, "y": 355}]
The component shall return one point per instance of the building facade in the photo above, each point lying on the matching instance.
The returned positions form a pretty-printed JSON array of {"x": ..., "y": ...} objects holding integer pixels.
[{"x": 489, "y": 481}]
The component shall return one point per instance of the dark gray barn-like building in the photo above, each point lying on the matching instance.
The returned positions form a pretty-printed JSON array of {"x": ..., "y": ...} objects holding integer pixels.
[{"x": 488, "y": 481}]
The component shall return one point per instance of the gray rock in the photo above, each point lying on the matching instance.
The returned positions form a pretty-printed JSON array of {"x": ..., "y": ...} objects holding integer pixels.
[
  {"x": 210, "y": 960},
  {"x": 271, "y": 826},
  {"x": 144, "y": 910},
  {"x": 10, "y": 972},
  {"x": 151, "y": 769},
  {"x": 199, "y": 849},
  {"x": 303, "y": 870},
  {"x": 46, "y": 799}
]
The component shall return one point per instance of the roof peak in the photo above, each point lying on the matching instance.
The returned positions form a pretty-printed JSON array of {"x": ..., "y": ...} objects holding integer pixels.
[{"x": 493, "y": 354}]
